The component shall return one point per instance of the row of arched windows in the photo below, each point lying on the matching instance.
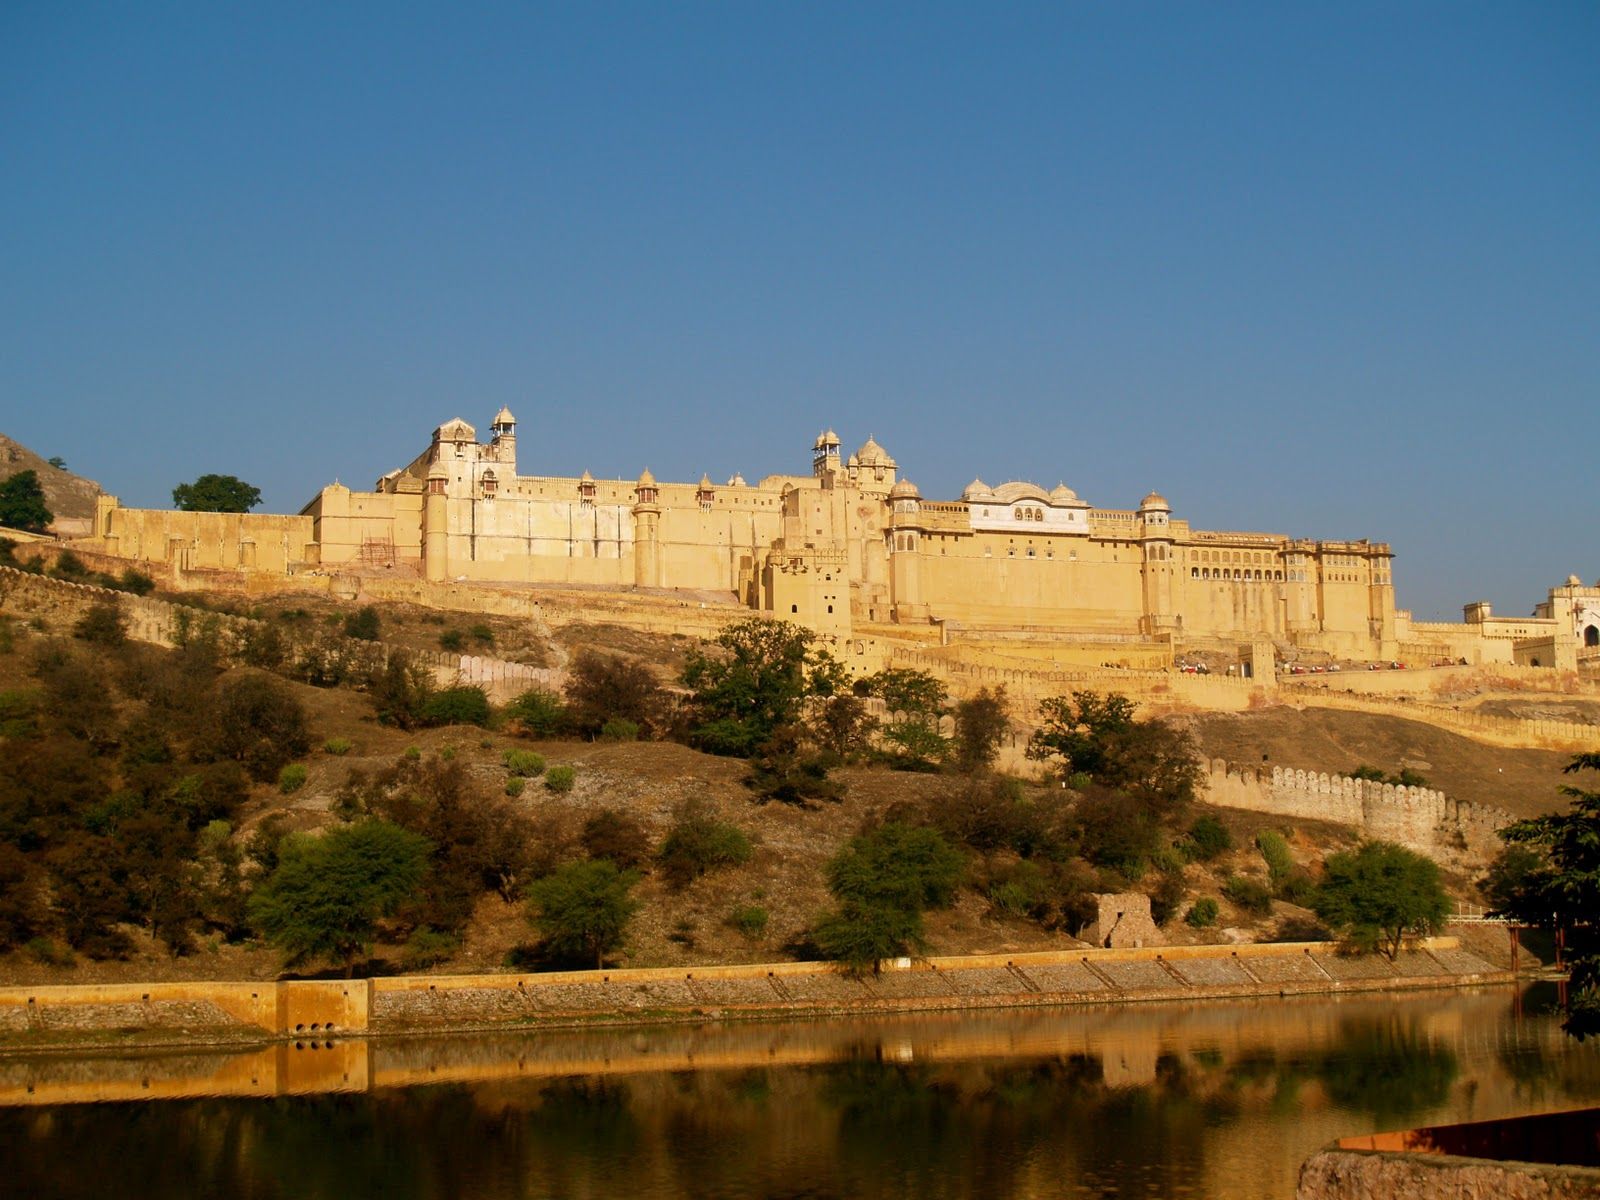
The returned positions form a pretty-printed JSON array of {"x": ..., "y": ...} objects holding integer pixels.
[
  {"x": 1027, "y": 514},
  {"x": 1239, "y": 573}
]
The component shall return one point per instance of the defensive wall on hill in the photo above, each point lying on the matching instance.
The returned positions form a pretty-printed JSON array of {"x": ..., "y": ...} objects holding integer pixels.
[
  {"x": 315, "y": 1010},
  {"x": 1422, "y": 818}
]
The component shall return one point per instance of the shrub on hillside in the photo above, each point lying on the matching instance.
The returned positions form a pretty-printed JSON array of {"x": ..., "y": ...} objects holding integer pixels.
[
  {"x": 750, "y": 920},
  {"x": 1249, "y": 894},
  {"x": 619, "y": 730},
  {"x": 1202, "y": 913},
  {"x": 524, "y": 763},
  {"x": 540, "y": 712},
  {"x": 602, "y": 688},
  {"x": 103, "y": 624},
  {"x": 698, "y": 843},
  {"x": 292, "y": 778},
  {"x": 363, "y": 624},
  {"x": 452, "y": 640},
  {"x": 617, "y": 836},
  {"x": 1207, "y": 838},
  {"x": 337, "y": 746},
  {"x": 1275, "y": 853},
  {"x": 560, "y": 779},
  {"x": 465, "y": 705},
  {"x": 259, "y": 724}
]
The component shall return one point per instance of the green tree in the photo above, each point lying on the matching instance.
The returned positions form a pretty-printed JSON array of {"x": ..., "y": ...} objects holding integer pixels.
[
  {"x": 216, "y": 493},
  {"x": 1564, "y": 894},
  {"x": 605, "y": 687},
  {"x": 583, "y": 909},
  {"x": 1378, "y": 893},
  {"x": 883, "y": 880},
  {"x": 328, "y": 893},
  {"x": 758, "y": 679},
  {"x": 906, "y": 692},
  {"x": 258, "y": 723},
  {"x": 981, "y": 722},
  {"x": 56, "y": 461},
  {"x": 364, "y": 624},
  {"x": 1098, "y": 736},
  {"x": 22, "y": 503}
]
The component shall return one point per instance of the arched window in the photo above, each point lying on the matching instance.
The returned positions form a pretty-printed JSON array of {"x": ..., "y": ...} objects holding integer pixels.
[{"x": 1591, "y": 636}]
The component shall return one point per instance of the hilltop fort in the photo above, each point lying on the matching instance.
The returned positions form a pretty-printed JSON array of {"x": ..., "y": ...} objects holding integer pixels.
[{"x": 853, "y": 548}]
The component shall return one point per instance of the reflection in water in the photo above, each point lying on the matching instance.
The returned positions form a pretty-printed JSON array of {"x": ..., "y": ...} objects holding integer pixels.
[{"x": 1193, "y": 1100}]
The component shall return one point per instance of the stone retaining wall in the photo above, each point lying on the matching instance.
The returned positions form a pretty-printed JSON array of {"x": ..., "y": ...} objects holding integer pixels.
[{"x": 318, "y": 1009}]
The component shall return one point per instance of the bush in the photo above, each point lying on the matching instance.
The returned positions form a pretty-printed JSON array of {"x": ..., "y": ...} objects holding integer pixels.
[
  {"x": 363, "y": 624},
  {"x": 560, "y": 779},
  {"x": 523, "y": 762},
  {"x": 1249, "y": 894},
  {"x": 698, "y": 843},
  {"x": 1167, "y": 896},
  {"x": 482, "y": 634},
  {"x": 540, "y": 712},
  {"x": 603, "y": 687},
  {"x": 136, "y": 582},
  {"x": 1275, "y": 853},
  {"x": 1202, "y": 913},
  {"x": 1208, "y": 838},
  {"x": 428, "y": 948},
  {"x": 515, "y": 786},
  {"x": 452, "y": 640},
  {"x": 411, "y": 754},
  {"x": 750, "y": 920},
  {"x": 1021, "y": 890},
  {"x": 292, "y": 778},
  {"x": 617, "y": 836},
  {"x": 337, "y": 746},
  {"x": 1297, "y": 887},
  {"x": 103, "y": 624},
  {"x": 259, "y": 724},
  {"x": 456, "y": 706},
  {"x": 618, "y": 729}
]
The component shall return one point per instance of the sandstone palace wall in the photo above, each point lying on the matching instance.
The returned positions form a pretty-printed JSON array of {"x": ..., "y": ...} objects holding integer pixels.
[{"x": 851, "y": 544}]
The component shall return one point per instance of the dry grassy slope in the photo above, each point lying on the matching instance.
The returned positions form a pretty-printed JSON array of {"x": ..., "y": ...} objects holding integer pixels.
[
  {"x": 1523, "y": 782},
  {"x": 65, "y": 494}
]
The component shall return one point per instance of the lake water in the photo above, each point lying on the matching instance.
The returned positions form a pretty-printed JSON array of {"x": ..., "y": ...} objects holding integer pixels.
[{"x": 1193, "y": 1100}]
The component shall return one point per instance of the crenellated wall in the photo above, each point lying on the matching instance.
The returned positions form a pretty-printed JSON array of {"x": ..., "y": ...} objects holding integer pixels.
[{"x": 1423, "y": 819}]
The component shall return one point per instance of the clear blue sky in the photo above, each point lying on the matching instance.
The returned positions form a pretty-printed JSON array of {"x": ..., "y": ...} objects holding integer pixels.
[{"x": 1330, "y": 270}]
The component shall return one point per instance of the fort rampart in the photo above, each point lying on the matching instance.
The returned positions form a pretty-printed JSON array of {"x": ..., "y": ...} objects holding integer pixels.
[{"x": 1422, "y": 818}]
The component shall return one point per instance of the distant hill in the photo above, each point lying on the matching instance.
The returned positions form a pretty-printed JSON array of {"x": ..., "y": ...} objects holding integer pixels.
[{"x": 70, "y": 497}]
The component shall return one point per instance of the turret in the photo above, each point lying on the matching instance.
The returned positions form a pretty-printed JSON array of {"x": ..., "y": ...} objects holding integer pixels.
[
  {"x": 1156, "y": 514},
  {"x": 825, "y": 454},
  {"x": 647, "y": 560},
  {"x": 504, "y": 441},
  {"x": 436, "y": 524}
]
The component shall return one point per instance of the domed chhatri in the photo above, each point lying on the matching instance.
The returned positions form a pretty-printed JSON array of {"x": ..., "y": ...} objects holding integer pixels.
[
  {"x": 1155, "y": 500},
  {"x": 905, "y": 490}
]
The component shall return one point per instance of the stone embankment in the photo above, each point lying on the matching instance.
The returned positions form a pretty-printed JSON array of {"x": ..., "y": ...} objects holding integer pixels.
[{"x": 35, "y": 1016}]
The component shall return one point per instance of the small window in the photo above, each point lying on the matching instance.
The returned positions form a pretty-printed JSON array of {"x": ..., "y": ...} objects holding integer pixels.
[{"x": 794, "y": 608}]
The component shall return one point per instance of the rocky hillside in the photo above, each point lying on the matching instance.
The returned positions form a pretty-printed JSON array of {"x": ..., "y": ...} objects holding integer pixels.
[{"x": 70, "y": 497}]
